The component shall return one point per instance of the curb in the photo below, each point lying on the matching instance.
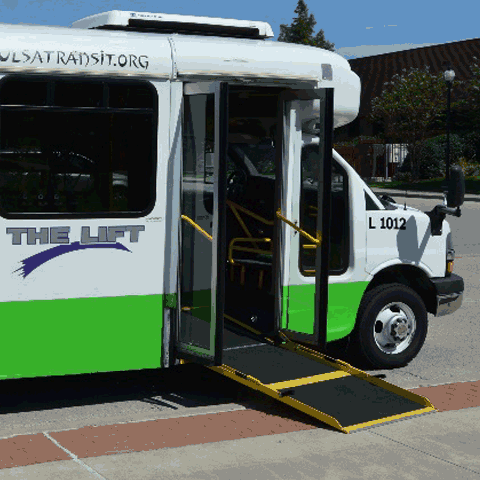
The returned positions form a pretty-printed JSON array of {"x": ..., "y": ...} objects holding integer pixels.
[{"x": 90, "y": 441}]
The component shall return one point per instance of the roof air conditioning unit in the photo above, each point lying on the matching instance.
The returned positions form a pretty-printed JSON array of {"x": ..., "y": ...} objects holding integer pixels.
[{"x": 168, "y": 23}]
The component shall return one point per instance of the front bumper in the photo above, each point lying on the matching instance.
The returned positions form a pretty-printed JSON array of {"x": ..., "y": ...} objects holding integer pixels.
[{"x": 449, "y": 293}]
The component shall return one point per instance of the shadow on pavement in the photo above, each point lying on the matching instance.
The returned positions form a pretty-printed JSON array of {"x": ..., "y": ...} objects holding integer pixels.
[{"x": 187, "y": 386}]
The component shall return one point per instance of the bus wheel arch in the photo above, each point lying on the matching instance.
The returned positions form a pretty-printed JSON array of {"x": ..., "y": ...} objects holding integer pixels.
[{"x": 410, "y": 276}]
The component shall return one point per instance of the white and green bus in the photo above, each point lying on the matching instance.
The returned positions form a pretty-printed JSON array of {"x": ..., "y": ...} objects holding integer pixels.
[{"x": 168, "y": 187}]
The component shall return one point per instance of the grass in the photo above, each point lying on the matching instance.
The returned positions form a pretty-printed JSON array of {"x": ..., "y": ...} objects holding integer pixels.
[{"x": 472, "y": 185}]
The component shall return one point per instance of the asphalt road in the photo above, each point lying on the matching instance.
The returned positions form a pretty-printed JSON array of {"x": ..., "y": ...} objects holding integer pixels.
[{"x": 36, "y": 405}]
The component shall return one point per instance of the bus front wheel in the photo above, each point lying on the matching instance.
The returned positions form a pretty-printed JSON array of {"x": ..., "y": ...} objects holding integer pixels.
[{"x": 391, "y": 326}]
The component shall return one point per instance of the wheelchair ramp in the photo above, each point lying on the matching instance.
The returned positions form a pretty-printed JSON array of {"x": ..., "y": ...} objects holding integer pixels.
[{"x": 329, "y": 390}]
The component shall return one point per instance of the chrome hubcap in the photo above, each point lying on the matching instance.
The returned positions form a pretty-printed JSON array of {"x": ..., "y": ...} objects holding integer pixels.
[{"x": 394, "y": 328}]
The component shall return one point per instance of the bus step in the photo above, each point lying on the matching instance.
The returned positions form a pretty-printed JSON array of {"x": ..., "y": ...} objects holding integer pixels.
[{"x": 327, "y": 389}]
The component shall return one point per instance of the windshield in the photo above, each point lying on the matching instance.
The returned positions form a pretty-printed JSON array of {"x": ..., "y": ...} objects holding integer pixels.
[{"x": 260, "y": 156}]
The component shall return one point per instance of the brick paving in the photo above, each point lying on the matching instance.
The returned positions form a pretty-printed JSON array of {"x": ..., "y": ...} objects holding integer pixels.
[{"x": 94, "y": 441}]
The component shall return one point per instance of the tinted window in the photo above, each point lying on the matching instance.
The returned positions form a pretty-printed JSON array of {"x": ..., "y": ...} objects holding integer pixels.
[
  {"x": 339, "y": 227},
  {"x": 261, "y": 155},
  {"x": 24, "y": 92},
  {"x": 369, "y": 203},
  {"x": 78, "y": 94},
  {"x": 66, "y": 158},
  {"x": 123, "y": 96}
]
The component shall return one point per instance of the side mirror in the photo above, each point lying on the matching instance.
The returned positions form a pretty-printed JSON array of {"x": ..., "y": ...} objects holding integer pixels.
[
  {"x": 456, "y": 187},
  {"x": 455, "y": 197}
]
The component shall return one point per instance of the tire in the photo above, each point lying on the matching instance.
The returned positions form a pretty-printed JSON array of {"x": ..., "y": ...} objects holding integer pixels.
[{"x": 391, "y": 326}]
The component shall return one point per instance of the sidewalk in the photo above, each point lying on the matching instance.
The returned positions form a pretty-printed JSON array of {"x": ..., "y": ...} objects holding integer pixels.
[
  {"x": 251, "y": 444},
  {"x": 401, "y": 195}
]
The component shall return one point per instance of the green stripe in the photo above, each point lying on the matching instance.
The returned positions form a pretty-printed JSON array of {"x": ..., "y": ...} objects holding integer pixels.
[
  {"x": 80, "y": 335},
  {"x": 343, "y": 302}
]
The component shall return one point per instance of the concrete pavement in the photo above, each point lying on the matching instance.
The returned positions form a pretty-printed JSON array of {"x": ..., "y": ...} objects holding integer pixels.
[
  {"x": 439, "y": 446},
  {"x": 252, "y": 444}
]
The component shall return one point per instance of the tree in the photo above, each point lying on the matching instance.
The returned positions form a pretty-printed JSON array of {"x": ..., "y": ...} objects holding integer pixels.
[
  {"x": 302, "y": 30},
  {"x": 473, "y": 88},
  {"x": 408, "y": 107},
  {"x": 431, "y": 156},
  {"x": 467, "y": 111}
]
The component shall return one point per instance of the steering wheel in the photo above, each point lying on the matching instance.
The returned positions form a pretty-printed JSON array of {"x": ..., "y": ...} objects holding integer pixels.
[{"x": 236, "y": 184}]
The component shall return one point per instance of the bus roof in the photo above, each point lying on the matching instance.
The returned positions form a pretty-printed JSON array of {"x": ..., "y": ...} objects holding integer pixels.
[{"x": 62, "y": 50}]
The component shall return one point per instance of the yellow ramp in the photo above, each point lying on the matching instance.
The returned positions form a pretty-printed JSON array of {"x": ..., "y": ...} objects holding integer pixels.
[{"x": 329, "y": 390}]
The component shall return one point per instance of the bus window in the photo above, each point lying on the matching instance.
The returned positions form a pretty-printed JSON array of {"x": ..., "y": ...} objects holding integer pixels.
[
  {"x": 77, "y": 147},
  {"x": 68, "y": 93},
  {"x": 339, "y": 227},
  {"x": 24, "y": 92},
  {"x": 198, "y": 155}
]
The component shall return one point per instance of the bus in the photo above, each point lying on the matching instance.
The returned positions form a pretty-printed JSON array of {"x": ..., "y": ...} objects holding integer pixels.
[{"x": 169, "y": 193}]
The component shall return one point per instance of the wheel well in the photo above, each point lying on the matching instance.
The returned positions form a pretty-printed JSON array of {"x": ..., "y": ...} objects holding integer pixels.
[{"x": 409, "y": 276}]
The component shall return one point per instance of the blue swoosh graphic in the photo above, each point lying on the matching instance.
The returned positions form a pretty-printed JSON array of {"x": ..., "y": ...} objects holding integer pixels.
[{"x": 33, "y": 262}]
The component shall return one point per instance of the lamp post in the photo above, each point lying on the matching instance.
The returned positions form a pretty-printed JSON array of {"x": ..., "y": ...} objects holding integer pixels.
[{"x": 448, "y": 76}]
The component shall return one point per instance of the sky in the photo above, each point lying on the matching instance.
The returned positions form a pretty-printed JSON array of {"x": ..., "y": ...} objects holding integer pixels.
[{"x": 357, "y": 29}]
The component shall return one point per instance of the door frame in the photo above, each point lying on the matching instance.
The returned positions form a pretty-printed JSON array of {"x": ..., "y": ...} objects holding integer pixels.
[
  {"x": 183, "y": 350},
  {"x": 325, "y": 121}
]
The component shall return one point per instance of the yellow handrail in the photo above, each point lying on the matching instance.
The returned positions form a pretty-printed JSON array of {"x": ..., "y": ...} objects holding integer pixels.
[
  {"x": 236, "y": 208},
  {"x": 317, "y": 241},
  {"x": 198, "y": 227},
  {"x": 247, "y": 249},
  {"x": 234, "y": 205}
]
